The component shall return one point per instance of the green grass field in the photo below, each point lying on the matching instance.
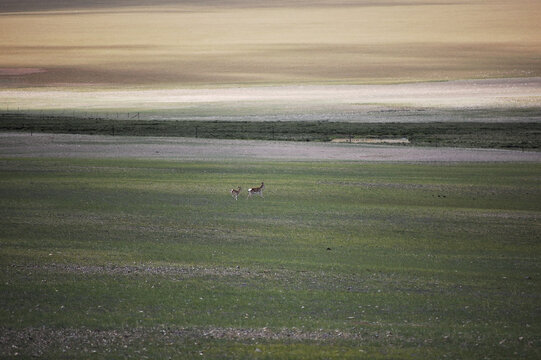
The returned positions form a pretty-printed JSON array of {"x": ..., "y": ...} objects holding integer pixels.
[{"x": 154, "y": 259}]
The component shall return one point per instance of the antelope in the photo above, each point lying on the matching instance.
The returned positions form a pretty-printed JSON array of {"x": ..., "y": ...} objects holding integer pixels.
[
  {"x": 235, "y": 193},
  {"x": 256, "y": 190}
]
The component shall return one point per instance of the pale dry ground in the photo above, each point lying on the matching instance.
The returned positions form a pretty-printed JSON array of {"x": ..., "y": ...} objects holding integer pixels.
[
  {"x": 207, "y": 42},
  {"x": 460, "y": 100},
  {"x": 86, "y": 146},
  {"x": 371, "y": 141}
]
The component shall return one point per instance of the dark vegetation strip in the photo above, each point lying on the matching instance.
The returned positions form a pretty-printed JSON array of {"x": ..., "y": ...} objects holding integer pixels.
[{"x": 503, "y": 135}]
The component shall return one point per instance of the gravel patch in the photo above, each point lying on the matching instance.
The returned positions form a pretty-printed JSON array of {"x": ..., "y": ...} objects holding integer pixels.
[
  {"x": 89, "y": 146},
  {"x": 235, "y": 276},
  {"x": 134, "y": 270},
  {"x": 39, "y": 341}
]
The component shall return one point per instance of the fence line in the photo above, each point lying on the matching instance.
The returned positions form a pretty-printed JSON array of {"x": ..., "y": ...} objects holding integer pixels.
[
  {"x": 131, "y": 124},
  {"x": 510, "y": 135}
]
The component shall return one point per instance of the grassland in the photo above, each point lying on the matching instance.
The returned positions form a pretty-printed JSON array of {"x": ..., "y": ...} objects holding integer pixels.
[{"x": 133, "y": 258}]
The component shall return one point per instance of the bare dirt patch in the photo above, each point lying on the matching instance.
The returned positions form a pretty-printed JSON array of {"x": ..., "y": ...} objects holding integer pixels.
[
  {"x": 135, "y": 270},
  {"x": 86, "y": 146},
  {"x": 371, "y": 141},
  {"x": 39, "y": 341}
]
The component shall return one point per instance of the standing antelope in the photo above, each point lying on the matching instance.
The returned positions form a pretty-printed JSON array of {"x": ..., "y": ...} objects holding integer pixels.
[
  {"x": 235, "y": 193},
  {"x": 256, "y": 190}
]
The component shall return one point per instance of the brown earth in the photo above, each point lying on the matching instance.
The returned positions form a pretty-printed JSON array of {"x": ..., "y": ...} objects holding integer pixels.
[
  {"x": 208, "y": 42},
  {"x": 86, "y": 146}
]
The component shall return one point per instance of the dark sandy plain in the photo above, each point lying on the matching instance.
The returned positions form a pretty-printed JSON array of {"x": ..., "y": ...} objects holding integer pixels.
[{"x": 86, "y": 146}]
